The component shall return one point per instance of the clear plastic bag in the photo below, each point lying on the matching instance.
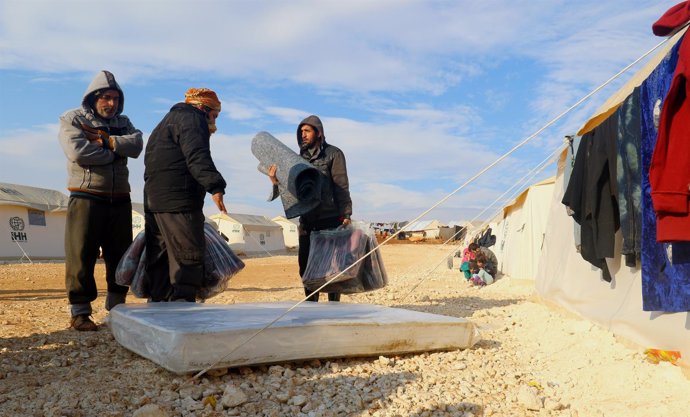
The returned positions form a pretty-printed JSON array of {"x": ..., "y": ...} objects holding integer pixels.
[
  {"x": 220, "y": 264},
  {"x": 130, "y": 261},
  {"x": 333, "y": 251}
]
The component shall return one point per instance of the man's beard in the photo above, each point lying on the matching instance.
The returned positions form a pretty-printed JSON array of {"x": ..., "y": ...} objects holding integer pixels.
[{"x": 212, "y": 128}]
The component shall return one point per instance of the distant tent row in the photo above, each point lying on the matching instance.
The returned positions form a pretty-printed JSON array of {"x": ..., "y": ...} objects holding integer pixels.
[{"x": 434, "y": 229}]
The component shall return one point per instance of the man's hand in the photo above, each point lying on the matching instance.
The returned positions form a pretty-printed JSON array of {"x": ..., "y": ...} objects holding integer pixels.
[
  {"x": 218, "y": 199},
  {"x": 272, "y": 174},
  {"x": 347, "y": 222},
  {"x": 100, "y": 137}
]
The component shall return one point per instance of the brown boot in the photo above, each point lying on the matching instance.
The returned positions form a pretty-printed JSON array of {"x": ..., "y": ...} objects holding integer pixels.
[{"x": 83, "y": 323}]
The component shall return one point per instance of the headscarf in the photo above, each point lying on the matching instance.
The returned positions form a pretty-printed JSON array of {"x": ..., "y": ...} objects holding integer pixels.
[{"x": 203, "y": 96}]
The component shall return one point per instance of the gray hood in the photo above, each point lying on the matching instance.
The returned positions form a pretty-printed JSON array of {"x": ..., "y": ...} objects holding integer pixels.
[
  {"x": 314, "y": 122},
  {"x": 104, "y": 80}
]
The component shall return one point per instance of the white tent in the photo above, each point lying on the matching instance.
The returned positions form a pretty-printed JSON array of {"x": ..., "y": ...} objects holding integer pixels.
[
  {"x": 138, "y": 220},
  {"x": 247, "y": 233},
  {"x": 567, "y": 280},
  {"x": 34, "y": 222},
  {"x": 290, "y": 234},
  {"x": 428, "y": 229},
  {"x": 520, "y": 230}
]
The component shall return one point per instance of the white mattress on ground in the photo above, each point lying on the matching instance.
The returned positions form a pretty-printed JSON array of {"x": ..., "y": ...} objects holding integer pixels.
[{"x": 189, "y": 337}]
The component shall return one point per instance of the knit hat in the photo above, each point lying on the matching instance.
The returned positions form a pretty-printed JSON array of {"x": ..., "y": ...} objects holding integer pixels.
[
  {"x": 674, "y": 18},
  {"x": 204, "y": 96}
]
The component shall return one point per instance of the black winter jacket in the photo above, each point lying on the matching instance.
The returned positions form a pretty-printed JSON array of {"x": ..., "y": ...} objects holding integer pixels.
[
  {"x": 335, "y": 189},
  {"x": 179, "y": 170}
]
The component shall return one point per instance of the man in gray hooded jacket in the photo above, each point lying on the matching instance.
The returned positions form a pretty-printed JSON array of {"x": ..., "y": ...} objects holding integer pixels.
[{"x": 97, "y": 140}]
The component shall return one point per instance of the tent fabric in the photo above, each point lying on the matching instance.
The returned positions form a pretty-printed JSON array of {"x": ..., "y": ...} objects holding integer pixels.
[
  {"x": 616, "y": 99},
  {"x": 665, "y": 283},
  {"x": 299, "y": 182},
  {"x": 32, "y": 197},
  {"x": 520, "y": 233}
]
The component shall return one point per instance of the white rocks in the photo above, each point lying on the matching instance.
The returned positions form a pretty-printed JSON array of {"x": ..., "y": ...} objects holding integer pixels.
[
  {"x": 528, "y": 398},
  {"x": 150, "y": 410},
  {"x": 298, "y": 400},
  {"x": 233, "y": 396},
  {"x": 492, "y": 379}
]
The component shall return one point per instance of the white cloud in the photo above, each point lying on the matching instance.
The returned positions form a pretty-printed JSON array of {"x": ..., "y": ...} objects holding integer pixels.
[{"x": 406, "y": 74}]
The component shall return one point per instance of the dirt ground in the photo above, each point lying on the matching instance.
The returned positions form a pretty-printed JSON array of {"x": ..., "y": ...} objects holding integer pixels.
[{"x": 532, "y": 360}]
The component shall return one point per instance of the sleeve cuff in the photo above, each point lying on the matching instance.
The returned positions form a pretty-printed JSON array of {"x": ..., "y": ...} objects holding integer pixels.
[{"x": 671, "y": 202}]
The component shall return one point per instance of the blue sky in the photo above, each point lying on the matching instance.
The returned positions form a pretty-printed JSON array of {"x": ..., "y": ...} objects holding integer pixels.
[{"x": 420, "y": 95}]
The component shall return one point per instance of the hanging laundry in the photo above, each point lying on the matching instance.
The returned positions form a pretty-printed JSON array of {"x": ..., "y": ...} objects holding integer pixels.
[
  {"x": 669, "y": 172},
  {"x": 665, "y": 283},
  {"x": 628, "y": 176},
  {"x": 591, "y": 195}
]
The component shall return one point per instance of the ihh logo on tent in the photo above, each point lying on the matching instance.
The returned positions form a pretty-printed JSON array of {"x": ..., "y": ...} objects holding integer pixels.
[{"x": 17, "y": 225}]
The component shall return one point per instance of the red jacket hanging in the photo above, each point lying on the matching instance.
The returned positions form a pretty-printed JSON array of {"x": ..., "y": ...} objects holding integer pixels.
[{"x": 669, "y": 172}]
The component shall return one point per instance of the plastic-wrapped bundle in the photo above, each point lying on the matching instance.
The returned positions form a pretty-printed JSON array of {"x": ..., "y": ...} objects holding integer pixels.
[
  {"x": 333, "y": 251},
  {"x": 127, "y": 266},
  {"x": 140, "y": 281},
  {"x": 220, "y": 264}
]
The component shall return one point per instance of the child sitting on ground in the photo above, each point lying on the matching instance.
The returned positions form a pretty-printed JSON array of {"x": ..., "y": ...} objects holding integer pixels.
[
  {"x": 481, "y": 278},
  {"x": 468, "y": 255}
]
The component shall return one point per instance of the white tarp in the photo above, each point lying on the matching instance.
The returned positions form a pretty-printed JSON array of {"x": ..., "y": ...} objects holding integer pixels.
[
  {"x": 564, "y": 278},
  {"x": 520, "y": 233},
  {"x": 189, "y": 337}
]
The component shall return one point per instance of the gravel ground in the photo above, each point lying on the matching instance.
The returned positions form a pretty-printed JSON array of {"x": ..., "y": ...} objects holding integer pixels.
[{"x": 532, "y": 360}]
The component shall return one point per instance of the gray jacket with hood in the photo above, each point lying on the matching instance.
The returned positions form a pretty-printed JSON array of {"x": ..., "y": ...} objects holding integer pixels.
[
  {"x": 335, "y": 189},
  {"x": 91, "y": 168}
]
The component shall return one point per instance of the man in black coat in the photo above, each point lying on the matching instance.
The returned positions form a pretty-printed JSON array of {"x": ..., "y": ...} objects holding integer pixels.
[
  {"x": 335, "y": 208},
  {"x": 179, "y": 171}
]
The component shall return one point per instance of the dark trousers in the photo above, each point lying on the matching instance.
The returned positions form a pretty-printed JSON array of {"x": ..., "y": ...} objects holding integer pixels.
[
  {"x": 93, "y": 225},
  {"x": 175, "y": 249},
  {"x": 303, "y": 255}
]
